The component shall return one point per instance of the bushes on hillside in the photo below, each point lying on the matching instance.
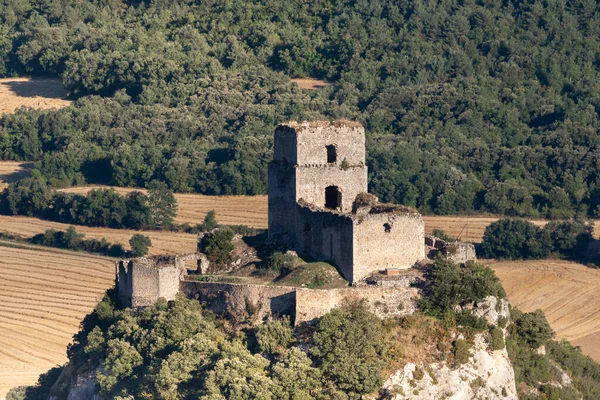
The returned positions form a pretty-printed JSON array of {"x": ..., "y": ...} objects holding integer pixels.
[
  {"x": 348, "y": 349},
  {"x": 453, "y": 284},
  {"x": 520, "y": 239}
]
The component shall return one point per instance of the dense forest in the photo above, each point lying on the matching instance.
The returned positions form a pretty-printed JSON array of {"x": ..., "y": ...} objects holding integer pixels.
[{"x": 469, "y": 106}]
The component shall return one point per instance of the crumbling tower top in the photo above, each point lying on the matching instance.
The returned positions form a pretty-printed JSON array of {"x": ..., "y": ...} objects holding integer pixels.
[{"x": 320, "y": 143}]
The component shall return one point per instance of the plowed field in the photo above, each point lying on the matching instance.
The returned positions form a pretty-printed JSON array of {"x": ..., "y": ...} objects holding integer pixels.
[
  {"x": 44, "y": 294},
  {"x": 567, "y": 292},
  {"x": 36, "y": 93}
]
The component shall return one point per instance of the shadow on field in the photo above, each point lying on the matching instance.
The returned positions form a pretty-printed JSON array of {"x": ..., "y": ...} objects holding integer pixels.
[
  {"x": 47, "y": 88},
  {"x": 23, "y": 172}
]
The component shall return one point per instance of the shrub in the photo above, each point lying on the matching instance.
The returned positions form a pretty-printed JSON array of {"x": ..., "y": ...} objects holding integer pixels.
[
  {"x": 139, "y": 244},
  {"x": 278, "y": 261},
  {"x": 453, "y": 284},
  {"x": 217, "y": 245},
  {"x": 348, "y": 348},
  {"x": 440, "y": 234},
  {"x": 496, "y": 338},
  {"x": 533, "y": 328},
  {"x": 515, "y": 239},
  {"x": 210, "y": 222},
  {"x": 276, "y": 335},
  {"x": 460, "y": 350}
]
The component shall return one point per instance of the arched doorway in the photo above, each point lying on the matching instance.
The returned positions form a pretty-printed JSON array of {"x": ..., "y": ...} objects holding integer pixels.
[{"x": 333, "y": 197}]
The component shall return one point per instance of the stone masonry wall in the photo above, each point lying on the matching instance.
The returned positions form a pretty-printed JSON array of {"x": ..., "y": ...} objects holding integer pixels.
[
  {"x": 375, "y": 249},
  {"x": 312, "y": 304},
  {"x": 311, "y": 182},
  {"x": 247, "y": 301},
  {"x": 304, "y": 305},
  {"x": 326, "y": 236}
]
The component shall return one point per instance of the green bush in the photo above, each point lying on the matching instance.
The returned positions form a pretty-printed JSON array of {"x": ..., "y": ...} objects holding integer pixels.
[
  {"x": 217, "y": 245},
  {"x": 533, "y": 328},
  {"x": 210, "y": 221},
  {"x": 440, "y": 234},
  {"x": 278, "y": 261},
  {"x": 140, "y": 244},
  {"x": 275, "y": 336},
  {"x": 515, "y": 239},
  {"x": 461, "y": 352},
  {"x": 496, "y": 338},
  {"x": 348, "y": 348},
  {"x": 453, "y": 284}
]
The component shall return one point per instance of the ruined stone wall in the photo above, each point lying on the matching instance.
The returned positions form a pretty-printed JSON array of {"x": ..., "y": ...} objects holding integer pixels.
[
  {"x": 141, "y": 281},
  {"x": 311, "y": 182},
  {"x": 145, "y": 287},
  {"x": 305, "y": 143},
  {"x": 385, "y": 302},
  {"x": 401, "y": 246},
  {"x": 282, "y": 200},
  {"x": 326, "y": 236},
  {"x": 255, "y": 302}
]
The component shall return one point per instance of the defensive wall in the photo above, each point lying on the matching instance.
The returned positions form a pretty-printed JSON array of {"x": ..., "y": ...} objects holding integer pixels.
[{"x": 258, "y": 302}]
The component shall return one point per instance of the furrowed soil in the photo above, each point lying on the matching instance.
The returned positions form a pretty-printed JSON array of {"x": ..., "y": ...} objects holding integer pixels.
[
  {"x": 44, "y": 295},
  {"x": 35, "y": 93},
  {"x": 567, "y": 292}
]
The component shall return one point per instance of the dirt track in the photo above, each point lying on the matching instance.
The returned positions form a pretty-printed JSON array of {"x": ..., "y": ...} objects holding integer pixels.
[
  {"x": 36, "y": 93},
  {"x": 44, "y": 294},
  {"x": 567, "y": 292}
]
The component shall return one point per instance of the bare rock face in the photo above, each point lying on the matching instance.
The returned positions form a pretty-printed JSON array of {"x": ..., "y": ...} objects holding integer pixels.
[
  {"x": 491, "y": 309},
  {"x": 487, "y": 375}
]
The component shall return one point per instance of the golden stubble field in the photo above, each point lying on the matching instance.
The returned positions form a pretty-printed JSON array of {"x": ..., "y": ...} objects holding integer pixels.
[
  {"x": 37, "y": 93},
  {"x": 44, "y": 294},
  {"x": 567, "y": 292}
]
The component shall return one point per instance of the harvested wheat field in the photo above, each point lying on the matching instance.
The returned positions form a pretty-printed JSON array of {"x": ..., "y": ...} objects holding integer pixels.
[
  {"x": 12, "y": 171},
  {"x": 567, "y": 292},
  {"x": 163, "y": 242},
  {"x": 36, "y": 93},
  {"x": 44, "y": 294}
]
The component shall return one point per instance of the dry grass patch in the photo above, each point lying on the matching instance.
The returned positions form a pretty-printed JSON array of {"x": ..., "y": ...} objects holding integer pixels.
[
  {"x": 310, "y": 83},
  {"x": 567, "y": 292},
  {"x": 36, "y": 93},
  {"x": 44, "y": 294}
]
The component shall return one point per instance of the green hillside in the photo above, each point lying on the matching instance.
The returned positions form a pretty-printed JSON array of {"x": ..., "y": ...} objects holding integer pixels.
[{"x": 469, "y": 106}]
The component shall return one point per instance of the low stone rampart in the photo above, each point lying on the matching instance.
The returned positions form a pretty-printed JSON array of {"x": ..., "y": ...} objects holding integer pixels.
[
  {"x": 242, "y": 301},
  {"x": 258, "y": 302}
]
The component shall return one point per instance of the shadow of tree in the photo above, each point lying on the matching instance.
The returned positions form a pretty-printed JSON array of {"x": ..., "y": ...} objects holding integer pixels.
[
  {"x": 23, "y": 172},
  {"x": 47, "y": 88}
]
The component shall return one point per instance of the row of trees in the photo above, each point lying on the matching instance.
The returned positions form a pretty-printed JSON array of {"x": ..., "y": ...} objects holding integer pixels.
[
  {"x": 520, "y": 239},
  {"x": 99, "y": 207},
  {"x": 469, "y": 106}
]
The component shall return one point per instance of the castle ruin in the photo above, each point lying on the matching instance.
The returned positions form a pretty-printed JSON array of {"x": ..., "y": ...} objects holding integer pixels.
[{"x": 319, "y": 206}]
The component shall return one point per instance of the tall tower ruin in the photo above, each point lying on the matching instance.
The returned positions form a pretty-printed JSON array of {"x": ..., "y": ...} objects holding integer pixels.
[
  {"x": 319, "y": 206},
  {"x": 321, "y": 163}
]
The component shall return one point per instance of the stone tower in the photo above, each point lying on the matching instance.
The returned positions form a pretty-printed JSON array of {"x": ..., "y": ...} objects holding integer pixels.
[{"x": 322, "y": 163}]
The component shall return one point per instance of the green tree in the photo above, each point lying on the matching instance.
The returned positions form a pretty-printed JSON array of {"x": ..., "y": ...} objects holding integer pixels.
[
  {"x": 162, "y": 203},
  {"x": 514, "y": 239},
  {"x": 140, "y": 244},
  {"x": 210, "y": 222},
  {"x": 348, "y": 349},
  {"x": 217, "y": 245}
]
